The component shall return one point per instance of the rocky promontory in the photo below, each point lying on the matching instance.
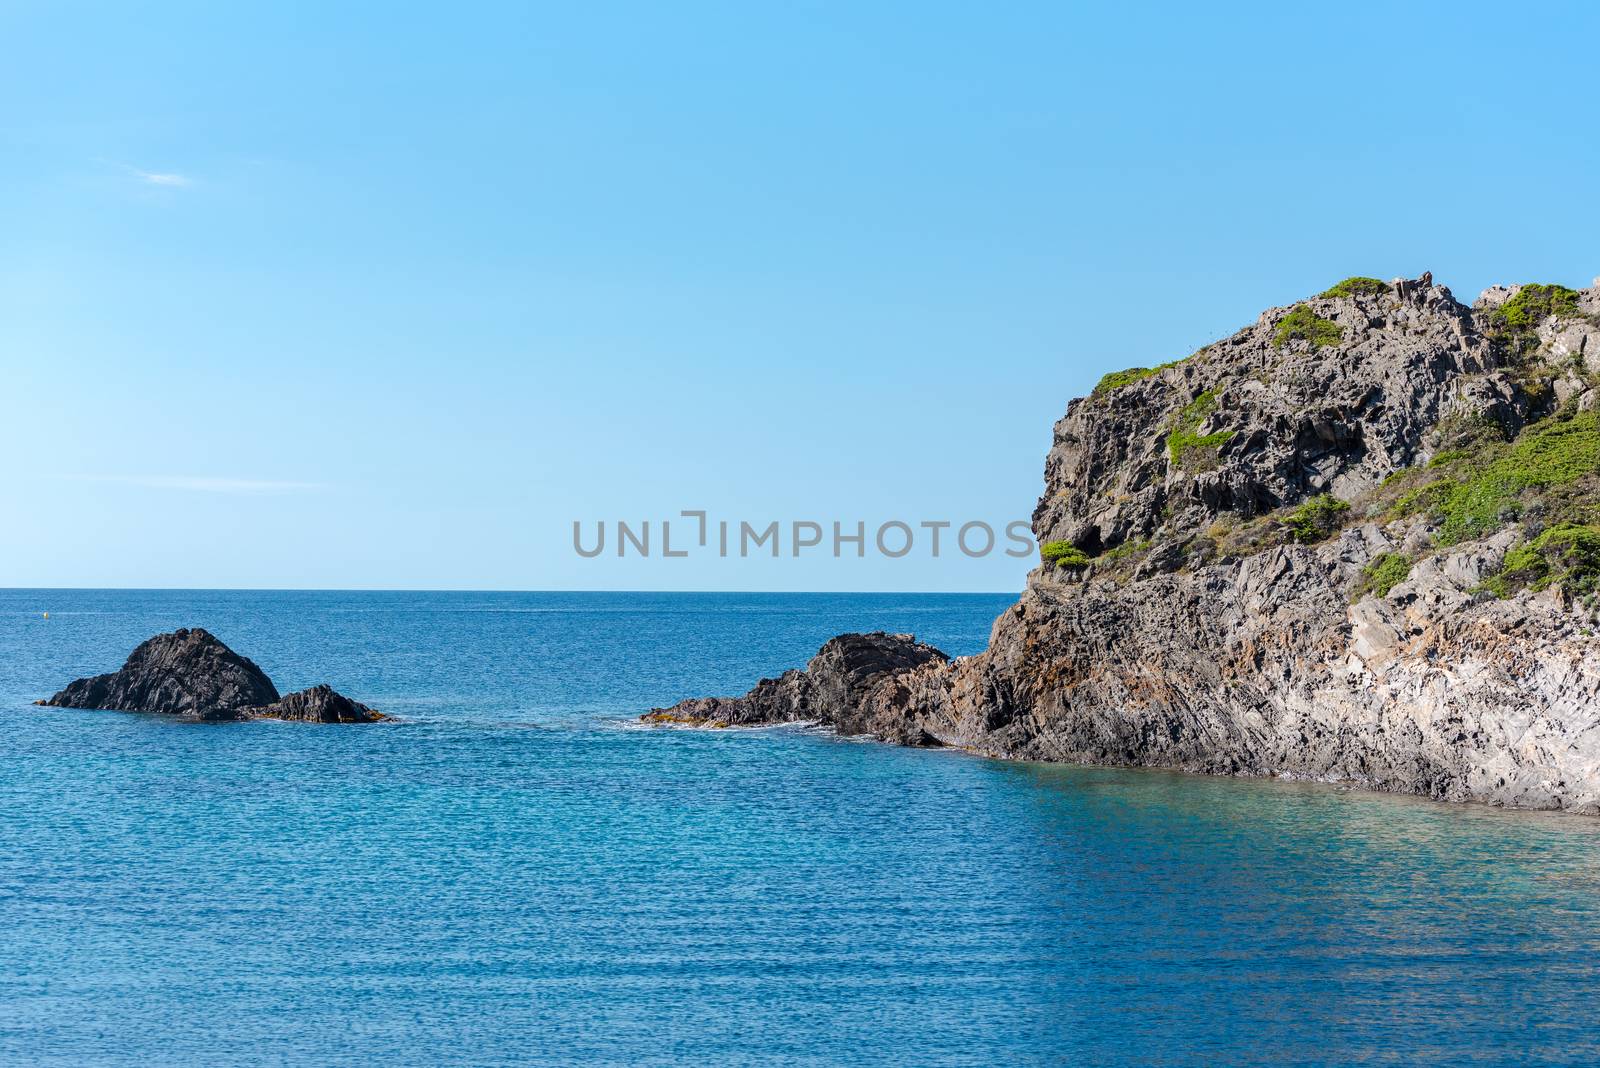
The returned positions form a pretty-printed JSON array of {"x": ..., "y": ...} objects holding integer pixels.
[
  {"x": 1358, "y": 540},
  {"x": 851, "y": 685},
  {"x": 190, "y": 673}
]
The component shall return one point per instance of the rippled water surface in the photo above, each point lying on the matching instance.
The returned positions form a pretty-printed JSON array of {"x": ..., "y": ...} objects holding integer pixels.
[{"x": 515, "y": 873}]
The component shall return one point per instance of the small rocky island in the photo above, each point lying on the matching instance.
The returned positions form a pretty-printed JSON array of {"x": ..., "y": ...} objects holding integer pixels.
[
  {"x": 1357, "y": 541},
  {"x": 190, "y": 673}
]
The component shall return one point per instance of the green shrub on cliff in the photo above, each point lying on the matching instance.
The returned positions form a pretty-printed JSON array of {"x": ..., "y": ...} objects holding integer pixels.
[
  {"x": 1567, "y": 554},
  {"x": 1303, "y": 324},
  {"x": 1117, "y": 379},
  {"x": 1316, "y": 518},
  {"x": 1384, "y": 573},
  {"x": 1484, "y": 488},
  {"x": 1357, "y": 286},
  {"x": 1063, "y": 554},
  {"x": 1190, "y": 450},
  {"x": 1127, "y": 549},
  {"x": 1533, "y": 304}
]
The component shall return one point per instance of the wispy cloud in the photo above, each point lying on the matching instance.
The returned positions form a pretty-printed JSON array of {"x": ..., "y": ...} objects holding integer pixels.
[
  {"x": 157, "y": 178},
  {"x": 202, "y": 484},
  {"x": 166, "y": 179}
]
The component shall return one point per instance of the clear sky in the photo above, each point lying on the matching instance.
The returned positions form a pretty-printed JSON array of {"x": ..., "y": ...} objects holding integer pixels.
[{"x": 344, "y": 295}]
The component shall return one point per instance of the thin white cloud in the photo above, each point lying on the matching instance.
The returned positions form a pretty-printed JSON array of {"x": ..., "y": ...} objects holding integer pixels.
[
  {"x": 166, "y": 179},
  {"x": 197, "y": 484}
]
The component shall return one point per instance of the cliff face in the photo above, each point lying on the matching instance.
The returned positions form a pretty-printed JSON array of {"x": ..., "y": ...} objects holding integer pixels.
[{"x": 1355, "y": 541}]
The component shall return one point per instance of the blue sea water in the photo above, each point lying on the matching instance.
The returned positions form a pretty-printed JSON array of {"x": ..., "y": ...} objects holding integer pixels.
[{"x": 515, "y": 872}]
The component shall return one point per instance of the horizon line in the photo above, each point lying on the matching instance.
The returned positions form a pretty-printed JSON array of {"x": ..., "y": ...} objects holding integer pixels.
[{"x": 465, "y": 589}]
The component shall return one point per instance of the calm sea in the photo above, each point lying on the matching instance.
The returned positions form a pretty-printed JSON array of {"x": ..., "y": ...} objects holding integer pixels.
[{"x": 516, "y": 873}]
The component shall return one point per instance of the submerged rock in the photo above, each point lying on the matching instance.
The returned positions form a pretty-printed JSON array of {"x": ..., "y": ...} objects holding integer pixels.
[
  {"x": 190, "y": 673},
  {"x": 1352, "y": 542}
]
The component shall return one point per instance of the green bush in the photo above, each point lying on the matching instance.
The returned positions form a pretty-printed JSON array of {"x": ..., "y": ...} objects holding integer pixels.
[
  {"x": 1303, "y": 324},
  {"x": 1357, "y": 286},
  {"x": 1316, "y": 518},
  {"x": 1567, "y": 554},
  {"x": 1190, "y": 450},
  {"x": 1063, "y": 554},
  {"x": 1533, "y": 304},
  {"x": 1122, "y": 552},
  {"x": 1117, "y": 379},
  {"x": 1384, "y": 573},
  {"x": 1484, "y": 488}
]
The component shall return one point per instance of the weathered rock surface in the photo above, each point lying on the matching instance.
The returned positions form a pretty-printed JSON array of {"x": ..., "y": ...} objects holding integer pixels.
[
  {"x": 852, "y": 685},
  {"x": 1182, "y": 645},
  {"x": 190, "y": 673},
  {"x": 186, "y": 673},
  {"x": 319, "y": 704}
]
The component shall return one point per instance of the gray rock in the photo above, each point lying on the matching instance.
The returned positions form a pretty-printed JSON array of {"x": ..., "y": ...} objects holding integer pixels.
[
  {"x": 1493, "y": 297},
  {"x": 1299, "y": 420}
]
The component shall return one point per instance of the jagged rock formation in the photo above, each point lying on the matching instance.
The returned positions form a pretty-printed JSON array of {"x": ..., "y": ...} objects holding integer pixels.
[
  {"x": 852, "y": 685},
  {"x": 190, "y": 673},
  {"x": 319, "y": 704},
  {"x": 1356, "y": 541},
  {"x": 186, "y": 673}
]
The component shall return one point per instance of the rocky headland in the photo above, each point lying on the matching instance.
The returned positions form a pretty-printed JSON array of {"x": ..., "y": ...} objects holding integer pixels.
[
  {"x": 1358, "y": 540},
  {"x": 190, "y": 673}
]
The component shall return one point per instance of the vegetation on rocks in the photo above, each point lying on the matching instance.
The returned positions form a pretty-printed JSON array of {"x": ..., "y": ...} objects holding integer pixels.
[
  {"x": 1190, "y": 449},
  {"x": 1533, "y": 304},
  {"x": 1303, "y": 324},
  {"x": 1118, "y": 379},
  {"x": 1127, "y": 550},
  {"x": 1475, "y": 491},
  {"x": 1567, "y": 554},
  {"x": 1384, "y": 573},
  {"x": 1357, "y": 286},
  {"x": 1063, "y": 554},
  {"x": 1316, "y": 518}
]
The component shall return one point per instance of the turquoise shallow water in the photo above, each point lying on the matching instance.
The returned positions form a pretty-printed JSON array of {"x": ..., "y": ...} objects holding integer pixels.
[{"x": 517, "y": 874}]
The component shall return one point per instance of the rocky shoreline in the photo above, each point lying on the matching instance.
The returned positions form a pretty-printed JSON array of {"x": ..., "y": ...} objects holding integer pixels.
[
  {"x": 1357, "y": 541},
  {"x": 191, "y": 674}
]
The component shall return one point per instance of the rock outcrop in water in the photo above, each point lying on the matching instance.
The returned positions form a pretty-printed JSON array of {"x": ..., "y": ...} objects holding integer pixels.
[
  {"x": 319, "y": 704},
  {"x": 1359, "y": 540},
  {"x": 851, "y": 685},
  {"x": 190, "y": 673}
]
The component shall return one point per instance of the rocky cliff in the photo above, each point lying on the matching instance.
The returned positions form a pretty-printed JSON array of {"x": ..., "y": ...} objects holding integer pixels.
[
  {"x": 1359, "y": 540},
  {"x": 192, "y": 674}
]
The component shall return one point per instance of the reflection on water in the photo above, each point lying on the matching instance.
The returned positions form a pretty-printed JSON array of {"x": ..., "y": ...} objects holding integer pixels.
[{"x": 1345, "y": 925}]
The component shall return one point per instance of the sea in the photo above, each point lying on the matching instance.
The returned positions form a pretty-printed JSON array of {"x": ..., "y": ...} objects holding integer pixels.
[{"x": 515, "y": 871}]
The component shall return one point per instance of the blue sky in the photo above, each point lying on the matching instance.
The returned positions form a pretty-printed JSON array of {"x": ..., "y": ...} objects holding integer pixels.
[{"x": 388, "y": 296}]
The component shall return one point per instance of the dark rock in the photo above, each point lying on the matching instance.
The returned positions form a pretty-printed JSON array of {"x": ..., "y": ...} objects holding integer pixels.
[
  {"x": 320, "y": 704},
  {"x": 849, "y": 685},
  {"x": 185, "y": 673},
  {"x": 190, "y": 673}
]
